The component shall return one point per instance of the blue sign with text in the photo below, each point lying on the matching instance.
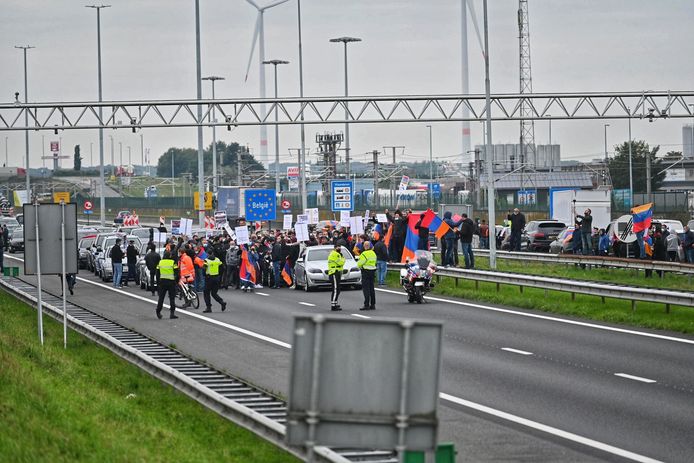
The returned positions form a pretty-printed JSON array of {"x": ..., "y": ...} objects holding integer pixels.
[
  {"x": 342, "y": 195},
  {"x": 260, "y": 205},
  {"x": 436, "y": 190}
]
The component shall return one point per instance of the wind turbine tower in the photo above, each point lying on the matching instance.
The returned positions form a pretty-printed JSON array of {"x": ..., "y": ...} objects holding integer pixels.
[
  {"x": 527, "y": 128},
  {"x": 259, "y": 37}
]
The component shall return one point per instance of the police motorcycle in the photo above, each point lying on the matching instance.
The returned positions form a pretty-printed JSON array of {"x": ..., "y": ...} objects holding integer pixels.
[{"x": 415, "y": 278}]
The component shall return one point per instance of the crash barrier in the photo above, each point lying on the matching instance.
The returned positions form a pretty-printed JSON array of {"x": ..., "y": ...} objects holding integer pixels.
[
  {"x": 235, "y": 400},
  {"x": 592, "y": 288},
  {"x": 597, "y": 261}
]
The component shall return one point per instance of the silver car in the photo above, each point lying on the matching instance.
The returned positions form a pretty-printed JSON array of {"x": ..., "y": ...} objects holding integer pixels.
[
  {"x": 105, "y": 266},
  {"x": 311, "y": 270}
]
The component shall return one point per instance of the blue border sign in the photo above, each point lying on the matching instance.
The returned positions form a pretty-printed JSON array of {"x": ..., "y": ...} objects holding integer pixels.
[
  {"x": 342, "y": 195},
  {"x": 260, "y": 205}
]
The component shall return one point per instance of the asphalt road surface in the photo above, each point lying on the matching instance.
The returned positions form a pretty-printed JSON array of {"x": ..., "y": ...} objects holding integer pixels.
[{"x": 516, "y": 385}]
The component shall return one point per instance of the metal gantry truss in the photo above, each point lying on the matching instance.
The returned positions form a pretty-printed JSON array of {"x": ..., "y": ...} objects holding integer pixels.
[{"x": 338, "y": 110}]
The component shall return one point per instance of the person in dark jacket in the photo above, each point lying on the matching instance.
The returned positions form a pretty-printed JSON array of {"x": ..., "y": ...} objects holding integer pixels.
[
  {"x": 422, "y": 234},
  {"x": 659, "y": 250},
  {"x": 467, "y": 229},
  {"x": 276, "y": 256},
  {"x": 450, "y": 239},
  {"x": 152, "y": 259},
  {"x": 131, "y": 254},
  {"x": 397, "y": 241},
  {"x": 517, "y": 220},
  {"x": 117, "y": 255},
  {"x": 381, "y": 260},
  {"x": 586, "y": 232}
]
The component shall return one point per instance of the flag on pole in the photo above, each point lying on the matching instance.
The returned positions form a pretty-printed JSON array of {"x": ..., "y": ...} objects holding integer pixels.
[
  {"x": 247, "y": 270},
  {"x": 641, "y": 217}
]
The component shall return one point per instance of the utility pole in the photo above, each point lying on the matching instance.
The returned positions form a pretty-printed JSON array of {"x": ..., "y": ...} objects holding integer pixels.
[
  {"x": 198, "y": 81},
  {"x": 606, "y": 126},
  {"x": 102, "y": 180},
  {"x": 26, "y": 119},
  {"x": 215, "y": 182},
  {"x": 648, "y": 177},
  {"x": 377, "y": 201},
  {"x": 491, "y": 197},
  {"x": 431, "y": 169},
  {"x": 393, "y": 184},
  {"x": 274, "y": 63},
  {"x": 239, "y": 167}
]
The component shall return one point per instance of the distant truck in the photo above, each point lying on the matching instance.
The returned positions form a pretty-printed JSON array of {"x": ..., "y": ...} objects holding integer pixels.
[{"x": 565, "y": 205}]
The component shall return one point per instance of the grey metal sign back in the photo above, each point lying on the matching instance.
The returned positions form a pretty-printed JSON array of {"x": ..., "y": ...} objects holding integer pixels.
[
  {"x": 50, "y": 217},
  {"x": 364, "y": 383}
]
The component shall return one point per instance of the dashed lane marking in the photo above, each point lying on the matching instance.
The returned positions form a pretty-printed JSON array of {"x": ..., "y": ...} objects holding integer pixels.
[
  {"x": 516, "y": 351},
  {"x": 636, "y": 378},
  {"x": 359, "y": 315}
]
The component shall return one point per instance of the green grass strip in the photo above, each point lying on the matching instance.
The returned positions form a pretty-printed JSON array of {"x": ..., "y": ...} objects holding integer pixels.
[{"x": 86, "y": 404}]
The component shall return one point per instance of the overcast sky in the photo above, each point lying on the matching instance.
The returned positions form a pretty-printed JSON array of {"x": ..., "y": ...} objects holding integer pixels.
[{"x": 409, "y": 47}]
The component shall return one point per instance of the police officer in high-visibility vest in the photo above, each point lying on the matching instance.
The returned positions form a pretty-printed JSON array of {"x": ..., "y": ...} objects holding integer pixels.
[
  {"x": 167, "y": 275},
  {"x": 212, "y": 275},
  {"x": 336, "y": 262},
  {"x": 368, "y": 263}
]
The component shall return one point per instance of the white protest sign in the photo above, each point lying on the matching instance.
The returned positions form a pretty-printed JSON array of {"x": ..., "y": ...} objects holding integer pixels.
[
  {"x": 367, "y": 214},
  {"x": 382, "y": 218},
  {"x": 186, "y": 226},
  {"x": 241, "y": 235},
  {"x": 344, "y": 218},
  {"x": 159, "y": 237},
  {"x": 230, "y": 232},
  {"x": 302, "y": 218},
  {"x": 288, "y": 218},
  {"x": 357, "y": 225},
  {"x": 301, "y": 230},
  {"x": 313, "y": 217}
]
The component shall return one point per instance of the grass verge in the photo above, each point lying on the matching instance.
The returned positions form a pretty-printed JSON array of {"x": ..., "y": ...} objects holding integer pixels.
[
  {"x": 85, "y": 404},
  {"x": 646, "y": 315}
]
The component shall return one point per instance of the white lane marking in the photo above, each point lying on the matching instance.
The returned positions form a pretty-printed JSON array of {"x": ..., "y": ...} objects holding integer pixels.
[
  {"x": 308, "y": 304},
  {"x": 549, "y": 429},
  {"x": 516, "y": 351},
  {"x": 261, "y": 294},
  {"x": 554, "y": 319},
  {"x": 190, "y": 314},
  {"x": 359, "y": 315},
  {"x": 636, "y": 378},
  {"x": 447, "y": 397}
]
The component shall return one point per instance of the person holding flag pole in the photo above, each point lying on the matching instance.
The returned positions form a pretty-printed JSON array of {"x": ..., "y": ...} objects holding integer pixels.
[{"x": 641, "y": 221}]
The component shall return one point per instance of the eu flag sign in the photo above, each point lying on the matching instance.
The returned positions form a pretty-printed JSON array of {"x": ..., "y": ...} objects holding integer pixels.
[{"x": 260, "y": 205}]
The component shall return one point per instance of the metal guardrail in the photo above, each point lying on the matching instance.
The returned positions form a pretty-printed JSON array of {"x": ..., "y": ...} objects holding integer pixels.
[
  {"x": 602, "y": 261},
  {"x": 591, "y": 288},
  {"x": 239, "y": 402}
]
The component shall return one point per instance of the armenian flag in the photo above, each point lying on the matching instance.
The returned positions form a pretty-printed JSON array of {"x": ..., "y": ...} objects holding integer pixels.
[
  {"x": 437, "y": 226},
  {"x": 431, "y": 221},
  {"x": 247, "y": 270},
  {"x": 389, "y": 235},
  {"x": 641, "y": 217},
  {"x": 287, "y": 273}
]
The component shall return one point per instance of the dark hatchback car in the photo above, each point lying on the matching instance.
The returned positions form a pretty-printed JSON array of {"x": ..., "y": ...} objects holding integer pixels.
[{"x": 539, "y": 234}]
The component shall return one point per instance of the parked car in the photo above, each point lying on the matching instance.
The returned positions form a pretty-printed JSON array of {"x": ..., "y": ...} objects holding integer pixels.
[
  {"x": 690, "y": 224},
  {"x": 311, "y": 270},
  {"x": 106, "y": 267},
  {"x": 83, "y": 250},
  {"x": 142, "y": 233},
  {"x": 142, "y": 267},
  {"x": 121, "y": 216},
  {"x": 10, "y": 222},
  {"x": 562, "y": 245},
  {"x": 83, "y": 232},
  {"x": 96, "y": 252},
  {"x": 20, "y": 218},
  {"x": 17, "y": 240},
  {"x": 503, "y": 239},
  {"x": 539, "y": 234},
  {"x": 673, "y": 226}
]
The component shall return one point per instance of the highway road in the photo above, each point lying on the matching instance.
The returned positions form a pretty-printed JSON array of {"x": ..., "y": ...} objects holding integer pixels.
[{"x": 516, "y": 384}]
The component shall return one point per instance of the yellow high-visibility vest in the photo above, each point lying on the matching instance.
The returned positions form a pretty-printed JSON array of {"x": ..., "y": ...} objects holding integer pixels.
[{"x": 166, "y": 269}]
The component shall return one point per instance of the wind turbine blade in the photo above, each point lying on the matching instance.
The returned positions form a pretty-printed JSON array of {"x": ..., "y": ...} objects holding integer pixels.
[
  {"x": 255, "y": 40},
  {"x": 257, "y": 7},
  {"x": 473, "y": 15},
  {"x": 278, "y": 2}
]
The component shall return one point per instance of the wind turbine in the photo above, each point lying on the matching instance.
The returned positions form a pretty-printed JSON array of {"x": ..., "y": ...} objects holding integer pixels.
[{"x": 259, "y": 36}]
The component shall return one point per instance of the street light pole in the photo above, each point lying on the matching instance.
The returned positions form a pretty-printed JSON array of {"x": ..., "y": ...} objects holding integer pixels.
[
  {"x": 431, "y": 168},
  {"x": 215, "y": 183},
  {"x": 102, "y": 198},
  {"x": 631, "y": 174},
  {"x": 7, "y": 156},
  {"x": 488, "y": 150},
  {"x": 345, "y": 41},
  {"x": 274, "y": 63},
  {"x": 198, "y": 80},
  {"x": 91, "y": 154},
  {"x": 606, "y": 126},
  {"x": 302, "y": 153},
  {"x": 24, "y": 48}
]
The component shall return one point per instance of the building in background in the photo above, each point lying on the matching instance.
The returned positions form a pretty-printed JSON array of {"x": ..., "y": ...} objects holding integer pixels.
[{"x": 687, "y": 140}]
